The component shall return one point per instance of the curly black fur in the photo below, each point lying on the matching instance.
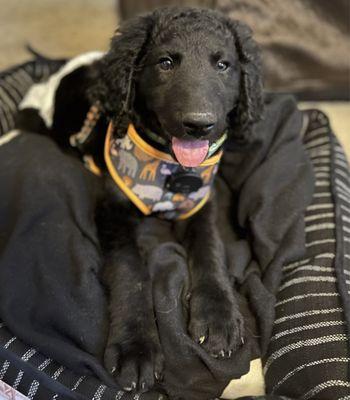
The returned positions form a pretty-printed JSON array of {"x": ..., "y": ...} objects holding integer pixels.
[
  {"x": 250, "y": 106},
  {"x": 115, "y": 88},
  {"x": 115, "y": 85}
]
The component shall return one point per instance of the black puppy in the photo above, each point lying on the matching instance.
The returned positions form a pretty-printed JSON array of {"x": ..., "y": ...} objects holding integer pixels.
[{"x": 183, "y": 77}]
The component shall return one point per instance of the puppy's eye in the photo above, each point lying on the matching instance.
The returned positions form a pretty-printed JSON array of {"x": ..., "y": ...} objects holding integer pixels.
[
  {"x": 166, "y": 63},
  {"x": 222, "y": 65}
]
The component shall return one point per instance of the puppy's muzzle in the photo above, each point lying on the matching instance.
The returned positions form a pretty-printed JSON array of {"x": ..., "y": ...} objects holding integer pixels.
[{"x": 198, "y": 124}]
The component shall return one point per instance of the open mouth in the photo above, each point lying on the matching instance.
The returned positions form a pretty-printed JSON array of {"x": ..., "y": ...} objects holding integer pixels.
[{"x": 190, "y": 153}]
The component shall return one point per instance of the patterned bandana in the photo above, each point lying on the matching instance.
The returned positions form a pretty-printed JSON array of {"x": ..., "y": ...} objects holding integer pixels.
[{"x": 154, "y": 181}]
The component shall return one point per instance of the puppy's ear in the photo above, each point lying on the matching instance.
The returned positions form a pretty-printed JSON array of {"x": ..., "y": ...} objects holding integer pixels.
[
  {"x": 249, "y": 108},
  {"x": 114, "y": 87}
]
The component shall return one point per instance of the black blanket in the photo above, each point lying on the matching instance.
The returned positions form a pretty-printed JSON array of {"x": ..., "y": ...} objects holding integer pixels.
[{"x": 50, "y": 293}]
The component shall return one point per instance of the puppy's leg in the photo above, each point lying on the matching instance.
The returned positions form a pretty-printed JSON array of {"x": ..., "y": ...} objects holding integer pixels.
[
  {"x": 133, "y": 352},
  {"x": 215, "y": 320}
]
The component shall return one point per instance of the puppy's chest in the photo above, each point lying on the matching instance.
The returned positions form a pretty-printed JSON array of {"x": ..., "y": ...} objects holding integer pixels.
[{"x": 155, "y": 182}]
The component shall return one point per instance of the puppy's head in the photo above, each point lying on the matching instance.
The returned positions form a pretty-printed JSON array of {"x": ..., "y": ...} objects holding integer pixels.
[{"x": 186, "y": 74}]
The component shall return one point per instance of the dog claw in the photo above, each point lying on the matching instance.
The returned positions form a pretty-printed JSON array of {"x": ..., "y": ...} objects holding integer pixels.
[
  {"x": 201, "y": 340},
  {"x": 229, "y": 353},
  {"x": 222, "y": 353},
  {"x": 113, "y": 370},
  {"x": 158, "y": 376},
  {"x": 131, "y": 388},
  {"x": 242, "y": 340}
]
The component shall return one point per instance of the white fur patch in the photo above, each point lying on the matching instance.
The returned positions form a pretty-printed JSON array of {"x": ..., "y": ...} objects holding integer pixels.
[{"x": 41, "y": 96}]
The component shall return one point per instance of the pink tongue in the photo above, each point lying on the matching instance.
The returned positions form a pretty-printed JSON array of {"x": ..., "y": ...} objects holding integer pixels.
[{"x": 190, "y": 153}]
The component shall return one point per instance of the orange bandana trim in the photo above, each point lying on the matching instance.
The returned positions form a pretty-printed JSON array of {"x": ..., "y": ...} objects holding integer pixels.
[{"x": 141, "y": 171}]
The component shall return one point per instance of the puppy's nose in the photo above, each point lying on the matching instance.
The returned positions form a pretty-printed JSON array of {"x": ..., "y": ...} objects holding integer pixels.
[{"x": 198, "y": 124}]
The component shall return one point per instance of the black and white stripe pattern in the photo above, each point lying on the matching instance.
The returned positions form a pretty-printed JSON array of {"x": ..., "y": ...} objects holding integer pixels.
[
  {"x": 309, "y": 352},
  {"x": 15, "y": 83},
  {"x": 41, "y": 378},
  {"x": 342, "y": 187}
]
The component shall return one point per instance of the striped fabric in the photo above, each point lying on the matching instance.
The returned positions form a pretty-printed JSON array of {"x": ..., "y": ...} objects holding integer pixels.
[
  {"x": 309, "y": 351},
  {"x": 14, "y": 84},
  {"x": 41, "y": 378}
]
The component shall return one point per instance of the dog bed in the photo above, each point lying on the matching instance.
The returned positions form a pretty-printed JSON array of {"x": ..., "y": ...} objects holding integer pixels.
[{"x": 308, "y": 355}]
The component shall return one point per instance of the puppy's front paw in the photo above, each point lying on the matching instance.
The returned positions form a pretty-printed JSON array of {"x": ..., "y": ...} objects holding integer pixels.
[
  {"x": 135, "y": 363},
  {"x": 215, "y": 322}
]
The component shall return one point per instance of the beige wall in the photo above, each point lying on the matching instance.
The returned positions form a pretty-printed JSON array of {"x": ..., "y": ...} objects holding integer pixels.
[{"x": 57, "y": 28}]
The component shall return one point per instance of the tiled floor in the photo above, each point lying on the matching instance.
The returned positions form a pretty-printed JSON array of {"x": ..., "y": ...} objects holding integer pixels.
[{"x": 8, "y": 393}]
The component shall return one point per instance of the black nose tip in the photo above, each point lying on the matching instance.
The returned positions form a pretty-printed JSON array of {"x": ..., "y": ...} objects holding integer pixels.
[{"x": 198, "y": 124}]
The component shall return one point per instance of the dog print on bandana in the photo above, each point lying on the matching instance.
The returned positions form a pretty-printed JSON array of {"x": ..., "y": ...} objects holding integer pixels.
[{"x": 142, "y": 173}]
